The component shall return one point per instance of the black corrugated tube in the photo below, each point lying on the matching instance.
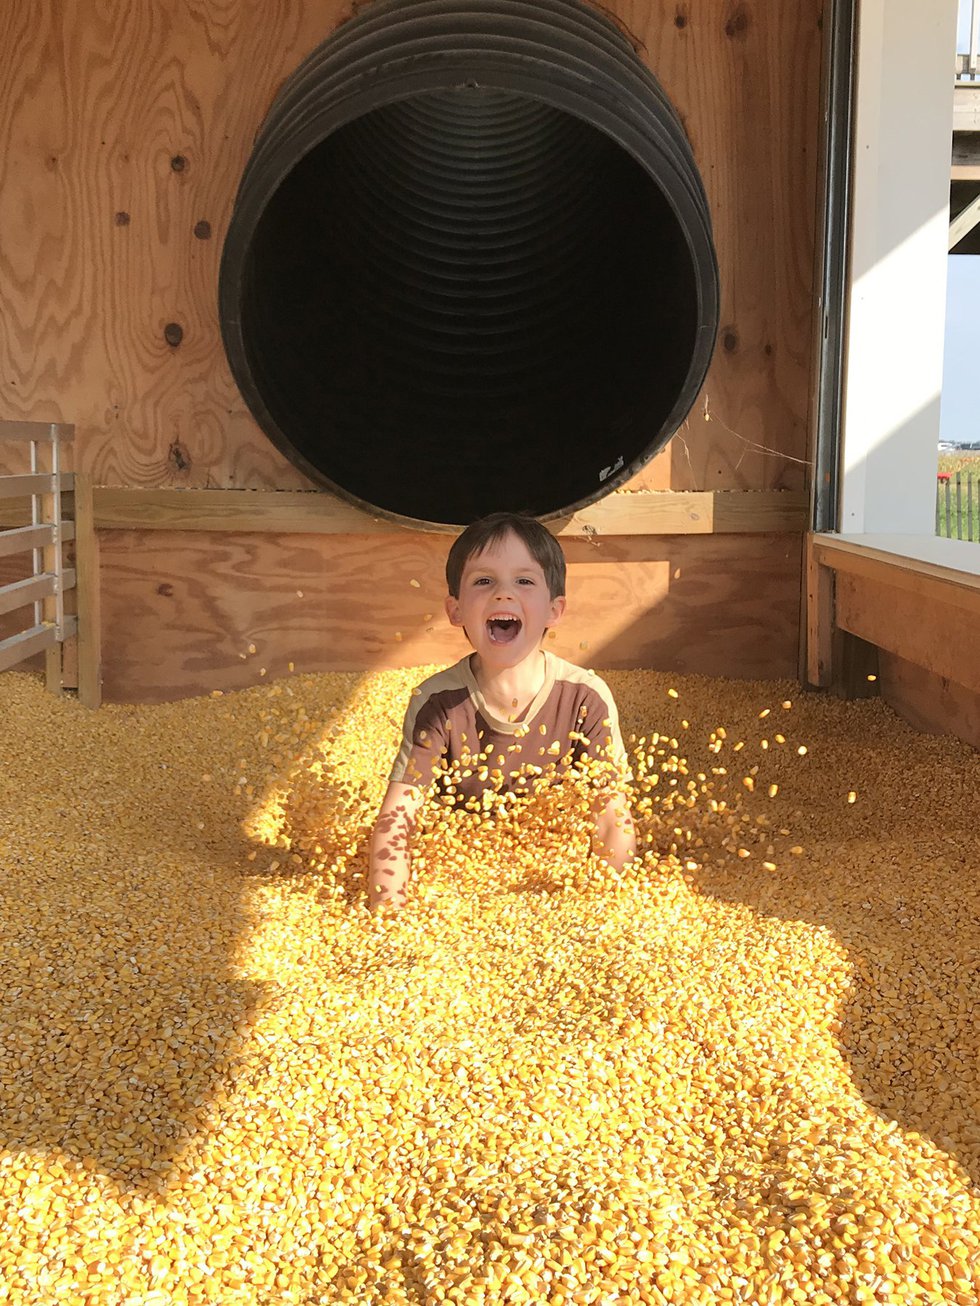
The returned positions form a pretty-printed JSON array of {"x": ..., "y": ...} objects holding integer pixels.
[{"x": 470, "y": 263}]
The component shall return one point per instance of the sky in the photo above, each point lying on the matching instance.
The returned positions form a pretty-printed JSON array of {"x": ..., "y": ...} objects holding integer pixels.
[{"x": 958, "y": 419}]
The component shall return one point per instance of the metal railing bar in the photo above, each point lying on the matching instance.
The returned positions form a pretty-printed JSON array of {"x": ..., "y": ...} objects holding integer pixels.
[
  {"x": 25, "y": 645},
  {"x": 18, "y": 487},
  {"x": 38, "y": 555},
  {"x": 52, "y": 555},
  {"x": 21, "y": 539},
  {"x": 23, "y": 432},
  {"x": 19, "y": 593},
  {"x": 44, "y": 539}
]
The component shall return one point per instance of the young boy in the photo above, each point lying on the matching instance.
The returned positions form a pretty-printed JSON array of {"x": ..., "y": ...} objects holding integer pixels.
[{"x": 510, "y": 701}]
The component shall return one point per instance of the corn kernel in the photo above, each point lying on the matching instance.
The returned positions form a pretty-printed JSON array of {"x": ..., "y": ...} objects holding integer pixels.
[{"x": 224, "y": 1081}]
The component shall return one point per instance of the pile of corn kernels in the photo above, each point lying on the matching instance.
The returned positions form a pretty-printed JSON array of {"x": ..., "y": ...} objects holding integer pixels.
[{"x": 745, "y": 1070}]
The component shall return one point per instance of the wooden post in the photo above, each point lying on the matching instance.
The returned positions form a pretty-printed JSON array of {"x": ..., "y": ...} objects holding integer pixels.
[
  {"x": 89, "y": 596},
  {"x": 819, "y": 620}
]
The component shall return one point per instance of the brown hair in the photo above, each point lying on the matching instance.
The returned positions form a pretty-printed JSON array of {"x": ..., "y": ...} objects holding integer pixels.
[{"x": 482, "y": 534}]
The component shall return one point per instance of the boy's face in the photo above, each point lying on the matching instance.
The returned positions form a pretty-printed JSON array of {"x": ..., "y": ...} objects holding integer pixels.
[{"x": 504, "y": 605}]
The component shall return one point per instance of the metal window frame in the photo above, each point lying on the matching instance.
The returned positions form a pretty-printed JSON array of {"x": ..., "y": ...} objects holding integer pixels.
[{"x": 840, "y": 47}]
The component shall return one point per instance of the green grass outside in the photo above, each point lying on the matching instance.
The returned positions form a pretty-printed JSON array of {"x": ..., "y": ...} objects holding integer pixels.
[{"x": 962, "y": 523}]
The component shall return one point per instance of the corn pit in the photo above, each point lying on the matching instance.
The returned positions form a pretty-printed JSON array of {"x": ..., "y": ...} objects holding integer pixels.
[{"x": 744, "y": 1071}]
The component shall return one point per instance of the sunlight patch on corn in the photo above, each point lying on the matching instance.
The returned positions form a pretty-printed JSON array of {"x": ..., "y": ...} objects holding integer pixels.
[{"x": 743, "y": 1071}]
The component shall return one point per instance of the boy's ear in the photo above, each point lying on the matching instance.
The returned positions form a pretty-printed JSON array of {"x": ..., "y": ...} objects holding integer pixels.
[
  {"x": 452, "y": 610},
  {"x": 557, "y": 610}
]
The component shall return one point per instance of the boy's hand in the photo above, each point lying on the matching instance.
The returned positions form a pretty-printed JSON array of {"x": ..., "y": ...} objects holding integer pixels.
[{"x": 615, "y": 836}]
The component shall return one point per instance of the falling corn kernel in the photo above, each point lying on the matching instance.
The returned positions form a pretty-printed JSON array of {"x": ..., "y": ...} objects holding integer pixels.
[
  {"x": 299, "y": 594},
  {"x": 672, "y": 693},
  {"x": 290, "y": 666},
  {"x": 251, "y": 648},
  {"x": 773, "y": 790},
  {"x": 398, "y": 636},
  {"x": 802, "y": 750},
  {"x": 872, "y": 678},
  {"x": 852, "y": 796},
  {"x": 415, "y": 584},
  {"x": 764, "y": 713}
]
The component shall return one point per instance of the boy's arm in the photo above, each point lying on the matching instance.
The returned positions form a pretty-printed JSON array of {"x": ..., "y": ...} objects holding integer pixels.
[
  {"x": 390, "y": 862},
  {"x": 615, "y": 837}
]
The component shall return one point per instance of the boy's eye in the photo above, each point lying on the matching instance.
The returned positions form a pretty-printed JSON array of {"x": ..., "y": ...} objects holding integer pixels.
[
  {"x": 526, "y": 580},
  {"x": 482, "y": 580}
]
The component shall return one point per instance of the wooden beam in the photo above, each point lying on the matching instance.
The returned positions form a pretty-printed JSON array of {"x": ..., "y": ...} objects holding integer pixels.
[
  {"x": 925, "y": 580},
  {"x": 819, "y": 619},
  {"x": 964, "y": 222},
  {"x": 934, "y": 704},
  {"x": 930, "y": 632},
  {"x": 647, "y": 512},
  {"x": 922, "y": 611},
  {"x": 966, "y": 108}
]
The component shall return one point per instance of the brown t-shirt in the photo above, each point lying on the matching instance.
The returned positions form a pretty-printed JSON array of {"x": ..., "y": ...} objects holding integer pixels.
[{"x": 449, "y": 728}]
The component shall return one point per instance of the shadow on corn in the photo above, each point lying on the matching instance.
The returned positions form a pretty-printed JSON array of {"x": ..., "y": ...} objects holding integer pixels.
[
  {"x": 886, "y": 821},
  {"x": 121, "y": 921}
]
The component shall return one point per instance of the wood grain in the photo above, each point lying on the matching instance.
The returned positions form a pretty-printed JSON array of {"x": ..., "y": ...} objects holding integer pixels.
[
  {"x": 926, "y": 580},
  {"x": 819, "y": 619},
  {"x": 931, "y": 703},
  {"x": 934, "y": 630},
  {"x": 640, "y": 513},
  {"x": 181, "y": 610},
  {"x": 123, "y": 127}
]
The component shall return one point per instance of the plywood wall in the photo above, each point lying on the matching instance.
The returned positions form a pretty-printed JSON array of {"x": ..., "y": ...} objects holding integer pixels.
[
  {"x": 124, "y": 129},
  {"x": 188, "y": 612}
]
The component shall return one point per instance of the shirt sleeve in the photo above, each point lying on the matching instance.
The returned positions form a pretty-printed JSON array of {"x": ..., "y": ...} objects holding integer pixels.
[
  {"x": 600, "y": 725},
  {"x": 422, "y": 753}
]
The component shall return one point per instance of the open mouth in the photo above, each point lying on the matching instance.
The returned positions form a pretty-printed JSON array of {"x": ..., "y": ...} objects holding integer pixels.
[{"x": 503, "y": 630}]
